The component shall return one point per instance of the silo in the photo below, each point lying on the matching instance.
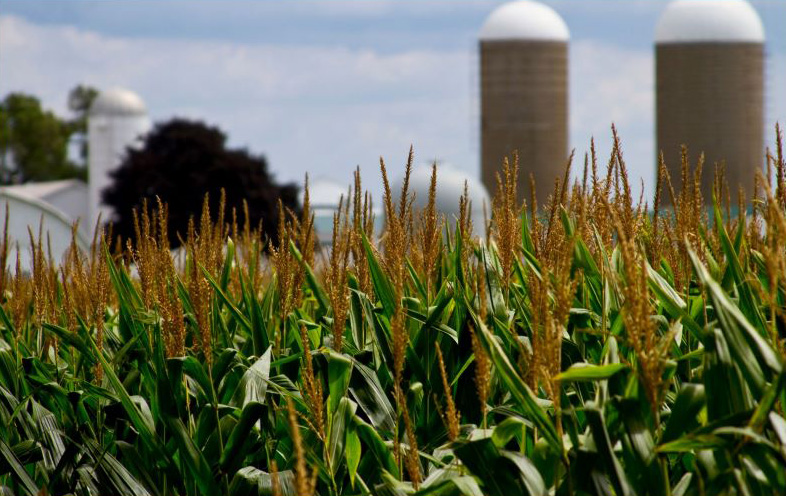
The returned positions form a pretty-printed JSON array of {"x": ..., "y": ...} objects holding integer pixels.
[
  {"x": 710, "y": 89},
  {"x": 450, "y": 188},
  {"x": 524, "y": 94},
  {"x": 324, "y": 197},
  {"x": 117, "y": 120}
]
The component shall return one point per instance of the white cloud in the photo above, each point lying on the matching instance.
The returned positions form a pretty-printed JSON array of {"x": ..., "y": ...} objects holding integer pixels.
[
  {"x": 325, "y": 109},
  {"x": 775, "y": 96},
  {"x": 611, "y": 84},
  {"x": 318, "y": 109}
]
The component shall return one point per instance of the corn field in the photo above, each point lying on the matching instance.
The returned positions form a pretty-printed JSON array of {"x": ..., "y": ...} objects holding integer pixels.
[{"x": 600, "y": 344}]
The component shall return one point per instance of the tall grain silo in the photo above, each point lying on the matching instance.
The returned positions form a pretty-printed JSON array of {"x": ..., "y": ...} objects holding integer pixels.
[
  {"x": 117, "y": 120},
  {"x": 524, "y": 94},
  {"x": 710, "y": 89}
]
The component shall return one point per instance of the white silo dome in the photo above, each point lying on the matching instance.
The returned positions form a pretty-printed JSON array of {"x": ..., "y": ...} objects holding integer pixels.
[
  {"x": 450, "y": 187},
  {"x": 323, "y": 192},
  {"x": 707, "y": 21},
  {"x": 118, "y": 101},
  {"x": 524, "y": 20}
]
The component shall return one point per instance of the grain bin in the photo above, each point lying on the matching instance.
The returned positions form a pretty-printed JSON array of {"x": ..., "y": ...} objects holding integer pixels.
[
  {"x": 524, "y": 94},
  {"x": 450, "y": 188},
  {"x": 117, "y": 120},
  {"x": 710, "y": 89}
]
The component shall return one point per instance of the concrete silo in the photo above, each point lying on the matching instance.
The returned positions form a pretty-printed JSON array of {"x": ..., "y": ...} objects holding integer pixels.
[
  {"x": 710, "y": 88},
  {"x": 117, "y": 120},
  {"x": 524, "y": 94}
]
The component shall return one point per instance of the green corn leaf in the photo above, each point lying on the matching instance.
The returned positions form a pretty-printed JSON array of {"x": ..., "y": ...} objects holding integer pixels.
[
  {"x": 196, "y": 370},
  {"x": 508, "y": 429},
  {"x": 500, "y": 472},
  {"x": 254, "y": 383},
  {"x": 381, "y": 282},
  {"x": 588, "y": 372},
  {"x": 372, "y": 398},
  {"x": 250, "y": 481},
  {"x": 767, "y": 402},
  {"x": 750, "y": 351},
  {"x": 17, "y": 470},
  {"x": 226, "y": 267},
  {"x": 376, "y": 446},
  {"x": 236, "y": 447},
  {"x": 726, "y": 390},
  {"x": 690, "y": 443},
  {"x": 339, "y": 374},
  {"x": 337, "y": 432},
  {"x": 533, "y": 482},
  {"x": 311, "y": 279},
  {"x": 603, "y": 444},
  {"x": 353, "y": 450},
  {"x": 259, "y": 328},
  {"x": 120, "y": 480},
  {"x": 456, "y": 485},
  {"x": 141, "y": 422},
  {"x": 241, "y": 319},
  {"x": 748, "y": 305},
  {"x": 517, "y": 387},
  {"x": 197, "y": 465},
  {"x": 689, "y": 403}
]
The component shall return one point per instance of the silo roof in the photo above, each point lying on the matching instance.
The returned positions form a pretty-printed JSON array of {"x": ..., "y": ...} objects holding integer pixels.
[
  {"x": 323, "y": 192},
  {"x": 118, "y": 101},
  {"x": 450, "y": 187},
  {"x": 524, "y": 20},
  {"x": 707, "y": 21}
]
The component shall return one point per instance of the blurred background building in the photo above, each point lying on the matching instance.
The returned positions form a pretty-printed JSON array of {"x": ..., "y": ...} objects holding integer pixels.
[
  {"x": 709, "y": 95},
  {"x": 710, "y": 90},
  {"x": 450, "y": 188},
  {"x": 117, "y": 119},
  {"x": 524, "y": 94}
]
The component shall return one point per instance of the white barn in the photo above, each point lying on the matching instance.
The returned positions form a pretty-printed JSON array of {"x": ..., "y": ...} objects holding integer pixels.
[{"x": 117, "y": 119}]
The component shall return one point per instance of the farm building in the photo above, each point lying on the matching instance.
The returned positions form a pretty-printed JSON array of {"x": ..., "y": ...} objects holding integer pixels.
[
  {"x": 710, "y": 89},
  {"x": 524, "y": 94},
  {"x": 117, "y": 118}
]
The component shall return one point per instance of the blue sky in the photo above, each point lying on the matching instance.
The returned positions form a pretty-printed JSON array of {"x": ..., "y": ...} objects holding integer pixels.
[{"x": 323, "y": 86}]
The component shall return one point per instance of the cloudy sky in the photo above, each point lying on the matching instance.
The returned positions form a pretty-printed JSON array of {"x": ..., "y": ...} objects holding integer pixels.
[{"x": 324, "y": 86}]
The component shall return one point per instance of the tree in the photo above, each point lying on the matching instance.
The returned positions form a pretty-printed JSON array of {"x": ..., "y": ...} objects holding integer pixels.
[
  {"x": 33, "y": 142},
  {"x": 181, "y": 161},
  {"x": 79, "y": 101}
]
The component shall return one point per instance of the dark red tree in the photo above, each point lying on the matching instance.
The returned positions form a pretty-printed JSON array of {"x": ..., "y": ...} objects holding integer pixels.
[{"x": 181, "y": 161}]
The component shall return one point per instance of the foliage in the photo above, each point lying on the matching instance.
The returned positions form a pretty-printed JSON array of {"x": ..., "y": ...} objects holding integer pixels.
[
  {"x": 34, "y": 141},
  {"x": 179, "y": 163},
  {"x": 80, "y": 98},
  {"x": 221, "y": 371}
]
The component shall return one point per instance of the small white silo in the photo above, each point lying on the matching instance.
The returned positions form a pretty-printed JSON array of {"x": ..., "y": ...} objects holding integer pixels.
[
  {"x": 117, "y": 119},
  {"x": 710, "y": 89},
  {"x": 450, "y": 187},
  {"x": 524, "y": 94}
]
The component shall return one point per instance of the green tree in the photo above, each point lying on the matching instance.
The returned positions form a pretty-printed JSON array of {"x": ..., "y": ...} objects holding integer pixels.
[
  {"x": 79, "y": 101},
  {"x": 34, "y": 141}
]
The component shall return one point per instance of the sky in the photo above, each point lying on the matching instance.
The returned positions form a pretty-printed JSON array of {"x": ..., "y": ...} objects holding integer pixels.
[{"x": 325, "y": 86}]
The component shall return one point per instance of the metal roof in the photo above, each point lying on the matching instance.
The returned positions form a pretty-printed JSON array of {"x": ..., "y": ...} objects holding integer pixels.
[
  {"x": 524, "y": 20},
  {"x": 118, "y": 102},
  {"x": 706, "y": 21}
]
